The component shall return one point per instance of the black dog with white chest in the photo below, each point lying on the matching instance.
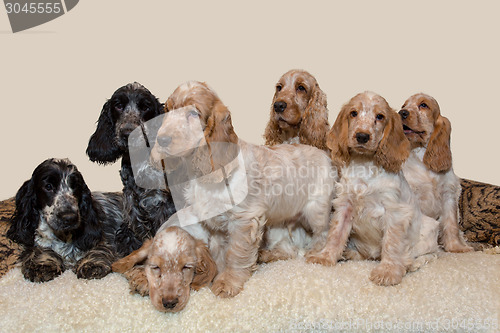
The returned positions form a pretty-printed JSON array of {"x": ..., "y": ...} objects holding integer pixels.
[{"x": 62, "y": 225}]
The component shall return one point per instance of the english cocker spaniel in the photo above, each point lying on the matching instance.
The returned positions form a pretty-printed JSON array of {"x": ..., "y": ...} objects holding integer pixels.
[
  {"x": 429, "y": 168},
  {"x": 62, "y": 225},
  {"x": 145, "y": 210},
  {"x": 168, "y": 266},
  {"x": 298, "y": 114},
  {"x": 375, "y": 206},
  {"x": 235, "y": 188},
  {"x": 299, "y": 111}
]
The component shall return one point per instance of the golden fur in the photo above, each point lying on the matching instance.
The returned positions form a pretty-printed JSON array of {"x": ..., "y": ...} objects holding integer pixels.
[
  {"x": 248, "y": 173},
  {"x": 168, "y": 267},
  {"x": 429, "y": 168},
  {"x": 305, "y": 117},
  {"x": 375, "y": 206}
]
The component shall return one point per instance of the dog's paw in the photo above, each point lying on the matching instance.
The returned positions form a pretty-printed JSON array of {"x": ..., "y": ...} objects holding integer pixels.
[
  {"x": 139, "y": 285},
  {"x": 386, "y": 274},
  {"x": 323, "y": 258},
  {"x": 224, "y": 286},
  {"x": 41, "y": 273},
  {"x": 267, "y": 256},
  {"x": 457, "y": 247},
  {"x": 92, "y": 270},
  {"x": 137, "y": 280}
]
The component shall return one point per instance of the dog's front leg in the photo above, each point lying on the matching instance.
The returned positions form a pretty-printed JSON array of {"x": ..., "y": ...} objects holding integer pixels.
[
  {"x": 96, "y": 264},
  {"x": 338, "y": 234},
  {"x": 395, "y": 255},
  {"x": 241, "y": 257},
  {"x": 41, "y": 265}
]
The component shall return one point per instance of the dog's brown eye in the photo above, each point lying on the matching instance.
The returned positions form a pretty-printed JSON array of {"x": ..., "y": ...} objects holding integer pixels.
[
  {"x": 49, "y": 187},
  {"x": 380, "y": 117},
  {"x": 354, "y": 113},
  {"x": 423, "y": 106},
  {"x": 301, "y": 88},
  {"x": 119, "y": 107},
  {"x": 278, "y": 88}
]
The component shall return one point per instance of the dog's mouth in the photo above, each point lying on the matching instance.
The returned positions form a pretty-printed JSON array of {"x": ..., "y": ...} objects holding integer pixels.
[
  {"x": 409, "y": 131},
  {"x": 284, "y": 123},
  {"x": 362, "y": 149}
]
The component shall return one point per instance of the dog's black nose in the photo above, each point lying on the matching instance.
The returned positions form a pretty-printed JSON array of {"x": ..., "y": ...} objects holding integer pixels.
[
  {"x": 164, "y": 141},
  {"x": 279, "y": 107},
  {"x": 126, "y": 130},
  {"x": 362, "y": 137},
  {"x": 69, "y": 217},
  {"x": 170, "y": 303},
  {"x": 404, "y": 114}
]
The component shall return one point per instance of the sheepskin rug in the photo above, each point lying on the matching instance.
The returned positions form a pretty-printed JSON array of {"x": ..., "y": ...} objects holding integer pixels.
[{"x": 457, "y": 292}]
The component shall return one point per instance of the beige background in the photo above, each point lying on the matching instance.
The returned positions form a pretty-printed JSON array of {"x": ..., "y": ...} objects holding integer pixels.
[{"x": 56, "y": 77}]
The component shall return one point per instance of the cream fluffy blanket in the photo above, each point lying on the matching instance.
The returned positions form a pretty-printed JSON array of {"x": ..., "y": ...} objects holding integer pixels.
[{"x": 457, "y": 291}]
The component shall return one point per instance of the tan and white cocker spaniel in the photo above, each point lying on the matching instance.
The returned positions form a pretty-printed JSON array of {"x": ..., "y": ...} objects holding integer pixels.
[
  {"x": 236, "y": 188},
  {"x": 168, "y": 266},
  {"x": 376, "y": 213},
  {"x": 299, "y": 111},
  {"x": 429, "y": 168}
]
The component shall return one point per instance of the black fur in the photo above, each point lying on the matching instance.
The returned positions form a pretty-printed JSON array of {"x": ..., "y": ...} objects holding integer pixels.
[
  {"x": 145, "y": 210},
  {"x": 79, "y": 221}
]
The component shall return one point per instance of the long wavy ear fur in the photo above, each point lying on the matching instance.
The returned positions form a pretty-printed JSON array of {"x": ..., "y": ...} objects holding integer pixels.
[
  {"x": 336, "y": 139},
  {"x": 314, "y": 124},
  {"x": 222, "y": 144},
  {"x": 394, "y": 148},
  {"x": 437, "y": 156},
  {"x": 26, "y": 216},
  {"x": 222, "y": 131},
  {"x": 206, "y": 269},
  {"x": 273, "y": 131},
  {"x": 135, "y": 258},
  {"x": 102, "y": 147},
  {"x": 92, "y": 228}
]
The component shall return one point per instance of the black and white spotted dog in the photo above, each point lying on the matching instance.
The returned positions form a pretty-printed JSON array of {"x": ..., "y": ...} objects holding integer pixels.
[
  {"x": 145, "y": 210},
  {"x": 62, "y": 225}
]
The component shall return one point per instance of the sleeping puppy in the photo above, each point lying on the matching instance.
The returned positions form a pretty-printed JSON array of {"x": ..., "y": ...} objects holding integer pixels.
[
  {"x": 168, "y": 266},
  {"x": 429, "y": 168},
  {"x": 236, "y": 188},
  {"x": 63, "y": 225},
  {"x": 376, "y": 213}
]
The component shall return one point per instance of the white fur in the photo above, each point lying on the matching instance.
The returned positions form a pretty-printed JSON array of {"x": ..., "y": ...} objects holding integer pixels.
[{"x": 45, "y": 238}]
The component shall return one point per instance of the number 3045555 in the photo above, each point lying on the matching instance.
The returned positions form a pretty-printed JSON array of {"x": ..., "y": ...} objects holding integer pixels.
[{"x": 33, "y": 8}]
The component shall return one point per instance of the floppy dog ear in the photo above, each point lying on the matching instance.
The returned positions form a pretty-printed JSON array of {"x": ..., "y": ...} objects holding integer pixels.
[
  {"x": 273, "y": 131},
  {"x": 135, "y": 258},
  {"x": 92, "y": 228},
  {"x": 437, "y": 156},
  {"x": 220, "y": 129},
  {"x": 336, "y": 139},
  {"x": 314, "y": 124},
  {"x": 102, "y": 147},
  {"x": 206, "y": 269},
  {"x": 222, "y": 145},
  {"x": 26, "y": 216},
  {"x": 394, "y": 148}
]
